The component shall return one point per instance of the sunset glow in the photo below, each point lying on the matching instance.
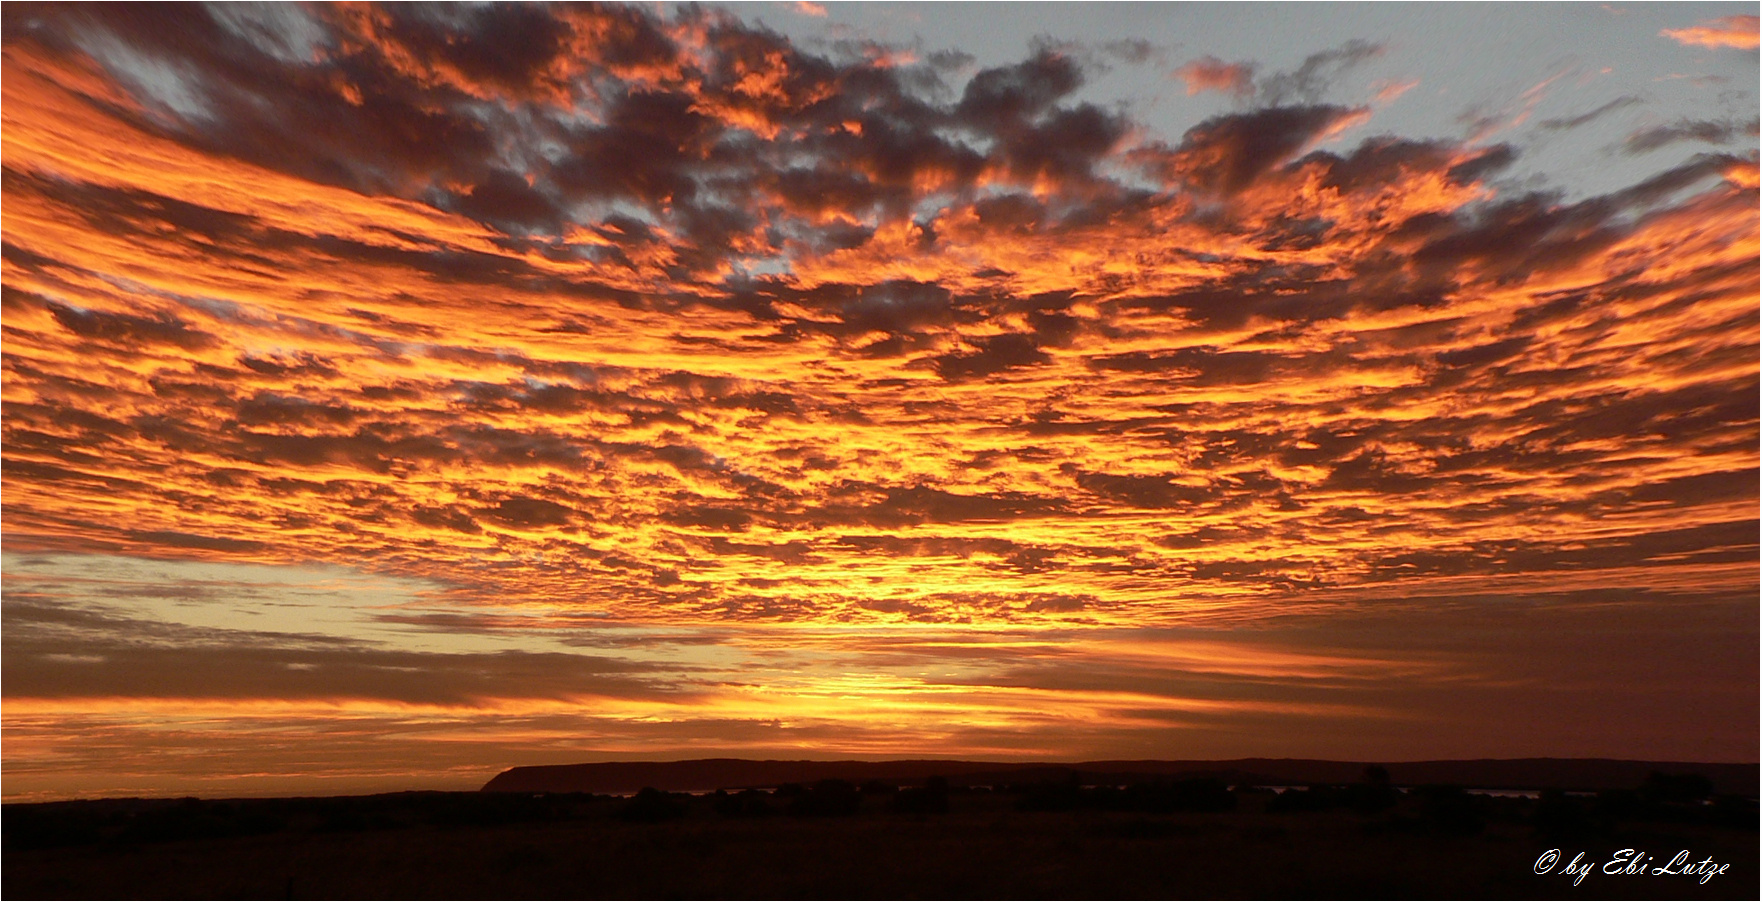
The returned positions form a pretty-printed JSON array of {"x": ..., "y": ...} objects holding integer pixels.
[{"x": 393, "y": 396}]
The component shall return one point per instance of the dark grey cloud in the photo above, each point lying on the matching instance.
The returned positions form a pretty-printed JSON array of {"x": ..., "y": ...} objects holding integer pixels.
[
  {"x": 1705, "y": 131},
  {"x": 1310, "y": 81},
  {"x": 130, "y": 331},
  {"x": 995, "y": 354},
  {"x": 1585, "y": 118},
  {"x": 1228, "y": 153}
]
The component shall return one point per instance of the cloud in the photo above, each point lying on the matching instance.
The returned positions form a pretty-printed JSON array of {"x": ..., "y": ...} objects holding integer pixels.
[
  {"x": 1317, "y": 74},
  {"x": 1563, "y": 124},
  {"x": 1208, "y": 73},
  {"x": 129, "y": 330},
  {"x": 1388, "y": 92},
  {"x": 1738, "y": 32},
  {"x": 1308, "y": 84},
  {"x": 1707, "y": 131},
  {"x": 1134, "y": 51},
  {"x": 1229, "y": 153}
]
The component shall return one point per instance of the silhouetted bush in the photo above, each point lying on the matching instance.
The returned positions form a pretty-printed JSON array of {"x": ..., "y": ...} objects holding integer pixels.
[
  {"x": 652, "y": 806},
  {"x": 1618, "y": 804},
  {"x": 1667, "y": 798},
  {"x": 195, "y": 819},
  {"x": 1052, "y": 795},
  {"x": 746, "y": 803},
  {"x": 1733, "y": 812},
  {"x": 486, "y": 809},
  {"x": 1450, "y": 811},
  {"x": 1676, "y": 789},
  {"x": 1314, "y": 798},
  {"x": 1201, "y": 794},
  {"x": 1374, "y": 793},
  {"x": 931, "y": 798},
  {"x": 1198, "y": 794},
  {"x": 827, "y": 798},
  {"x": 45, "y": 828},
  {"x": 1560, "y": 816}
]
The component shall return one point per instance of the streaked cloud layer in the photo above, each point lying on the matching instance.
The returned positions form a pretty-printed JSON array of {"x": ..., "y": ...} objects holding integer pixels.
[{"x": 395, "y": 394}]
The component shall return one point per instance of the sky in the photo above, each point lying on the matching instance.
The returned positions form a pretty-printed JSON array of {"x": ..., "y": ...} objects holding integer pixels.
[{"x": 397, "y": 394}]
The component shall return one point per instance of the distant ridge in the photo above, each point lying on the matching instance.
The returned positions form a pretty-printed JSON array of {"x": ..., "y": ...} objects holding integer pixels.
[{"x": 706, "y": 774}]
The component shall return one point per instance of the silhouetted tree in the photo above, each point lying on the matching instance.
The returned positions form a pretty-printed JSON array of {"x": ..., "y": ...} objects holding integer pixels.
[
  {"x": 1375, "y": 793},
  {"x": 827, "y": 798},
  {"x": 651, "y": 805}
]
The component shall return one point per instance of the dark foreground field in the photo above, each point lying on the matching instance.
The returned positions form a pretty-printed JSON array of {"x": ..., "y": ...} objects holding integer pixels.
[{"x": 836, "y": 840}]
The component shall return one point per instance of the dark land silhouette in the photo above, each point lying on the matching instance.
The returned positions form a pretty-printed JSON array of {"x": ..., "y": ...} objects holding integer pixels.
[
  {"x": 707, "y": 774},
  {"x": 921, "y": 829}
]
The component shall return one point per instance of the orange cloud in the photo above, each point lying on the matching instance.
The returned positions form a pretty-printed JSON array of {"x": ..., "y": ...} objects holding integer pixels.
[
  {"x": 1739, "y": 32},
  {"x": 1212, "y": 74}
]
